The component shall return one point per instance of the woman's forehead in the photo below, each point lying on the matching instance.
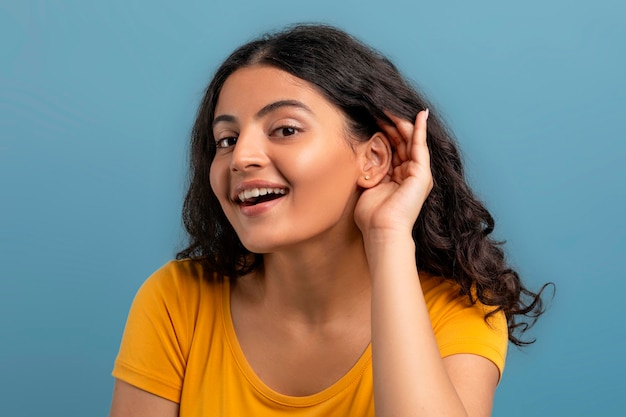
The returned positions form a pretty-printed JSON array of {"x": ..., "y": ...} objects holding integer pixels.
[{"x": 251, "y": 89}]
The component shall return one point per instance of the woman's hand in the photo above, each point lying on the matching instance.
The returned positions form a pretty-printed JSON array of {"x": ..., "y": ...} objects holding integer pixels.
[{"x": 392, "y": 206}]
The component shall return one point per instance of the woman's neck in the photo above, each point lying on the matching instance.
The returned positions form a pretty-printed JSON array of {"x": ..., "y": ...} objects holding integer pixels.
[{"x": 312, "y": 284}]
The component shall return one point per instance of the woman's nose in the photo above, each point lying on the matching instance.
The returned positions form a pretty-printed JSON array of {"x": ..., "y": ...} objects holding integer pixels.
[{"x": 249, "y": 152}]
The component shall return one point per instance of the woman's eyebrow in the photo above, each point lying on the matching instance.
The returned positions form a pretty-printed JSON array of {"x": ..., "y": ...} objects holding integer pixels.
[
  {"x": 223, "y": 118},
  {"x": 264, "y": 111},
  {"x": 282, "y": 103}
]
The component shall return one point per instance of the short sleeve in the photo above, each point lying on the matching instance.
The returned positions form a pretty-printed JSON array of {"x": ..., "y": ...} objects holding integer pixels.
[
  {"x": 158, "y": 332},
  {"x": 460, "y": 326}
]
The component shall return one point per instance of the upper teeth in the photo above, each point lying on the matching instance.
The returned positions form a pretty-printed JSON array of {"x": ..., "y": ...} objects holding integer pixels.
[{"x": 255, "y": 192}]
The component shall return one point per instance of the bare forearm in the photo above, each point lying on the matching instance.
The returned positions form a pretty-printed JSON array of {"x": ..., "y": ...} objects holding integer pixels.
[{"x": 409, "y": 375}]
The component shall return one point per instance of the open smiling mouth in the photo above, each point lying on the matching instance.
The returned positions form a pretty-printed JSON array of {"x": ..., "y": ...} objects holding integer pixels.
[{"x": 255, "y": 196}]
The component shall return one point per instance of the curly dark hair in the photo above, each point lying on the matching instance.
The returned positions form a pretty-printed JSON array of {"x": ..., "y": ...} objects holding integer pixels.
[{"x": 452, "y": 232}]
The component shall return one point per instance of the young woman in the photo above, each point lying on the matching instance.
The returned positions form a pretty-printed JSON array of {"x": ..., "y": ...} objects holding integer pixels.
[{"x": 338, "y": 265}]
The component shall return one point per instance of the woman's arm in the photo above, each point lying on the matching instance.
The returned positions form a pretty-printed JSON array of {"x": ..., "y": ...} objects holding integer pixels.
[
  {"x": 410, "y": 377},
  {"x": 130, "y": 401}
]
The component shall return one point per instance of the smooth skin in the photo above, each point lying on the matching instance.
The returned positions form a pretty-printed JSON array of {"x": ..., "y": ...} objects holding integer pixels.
[{"x": 347, "y": 274}]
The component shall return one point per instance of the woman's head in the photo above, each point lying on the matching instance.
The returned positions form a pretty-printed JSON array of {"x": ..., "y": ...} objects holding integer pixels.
[
  {"x": 282, "y": 151},
  {"x": 453, "y": 228},
  {"x": 356, "y": 79}
]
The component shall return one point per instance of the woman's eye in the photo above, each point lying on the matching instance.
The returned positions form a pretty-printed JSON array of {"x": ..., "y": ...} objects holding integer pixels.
[
  {"x": 285, "y": 131},
  {"x": 226, "y": 142}
]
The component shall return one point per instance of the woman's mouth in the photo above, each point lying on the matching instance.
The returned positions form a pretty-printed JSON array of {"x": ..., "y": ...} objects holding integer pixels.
[{"x": 253, "y": 196}]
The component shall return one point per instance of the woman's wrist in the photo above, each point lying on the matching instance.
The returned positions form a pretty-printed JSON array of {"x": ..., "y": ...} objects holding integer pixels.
[
  {"x": 384, "y": 247},
  {"x": 376, "y": 238}
]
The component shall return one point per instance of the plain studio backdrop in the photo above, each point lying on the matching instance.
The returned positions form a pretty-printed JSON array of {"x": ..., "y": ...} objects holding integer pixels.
[{"x": 97, "y": 99}]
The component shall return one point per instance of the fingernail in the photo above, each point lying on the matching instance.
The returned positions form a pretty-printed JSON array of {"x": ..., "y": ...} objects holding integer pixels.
[{"x": 427, "y": 113}]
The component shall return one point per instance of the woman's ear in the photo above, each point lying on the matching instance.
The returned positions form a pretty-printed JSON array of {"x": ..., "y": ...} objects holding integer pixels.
[{"x": 376, "y": 159}]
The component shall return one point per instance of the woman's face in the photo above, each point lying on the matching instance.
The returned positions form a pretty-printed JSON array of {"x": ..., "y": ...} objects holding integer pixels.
[{"x": 284, "y": 171}]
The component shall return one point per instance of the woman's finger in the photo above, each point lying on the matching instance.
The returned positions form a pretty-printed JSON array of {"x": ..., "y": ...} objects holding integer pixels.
[
  {"x": 400, "y": 135},
  {"x": 404, "y": 127},
  {"x": 398, "y": 143},
  {"x": 392, "y": 133},
  {"x": 419, "y": 148}
]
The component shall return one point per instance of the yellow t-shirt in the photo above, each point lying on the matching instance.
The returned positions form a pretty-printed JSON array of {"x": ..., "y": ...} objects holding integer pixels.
[{"x": 180, "y": 344}]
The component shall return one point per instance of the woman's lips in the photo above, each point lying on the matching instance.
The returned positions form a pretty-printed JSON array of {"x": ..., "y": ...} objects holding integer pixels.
[
  {"x": 255, "y": 195},
  {"x": 256, "y": 207},
  {"x": 252, "y": 189}
]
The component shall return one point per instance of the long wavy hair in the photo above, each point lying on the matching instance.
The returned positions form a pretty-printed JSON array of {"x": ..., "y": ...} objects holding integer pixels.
[{"x": 452, "y": 232}]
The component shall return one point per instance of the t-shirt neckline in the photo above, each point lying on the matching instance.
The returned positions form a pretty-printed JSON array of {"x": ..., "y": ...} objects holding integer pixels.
[{"x": 352, "y": 376}]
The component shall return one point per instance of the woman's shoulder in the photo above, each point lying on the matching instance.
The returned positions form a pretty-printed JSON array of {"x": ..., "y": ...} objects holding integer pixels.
[
  {"x": 462, "y": 325},
  {"x": 444, "y": 300},
  {"x": 180, "y": 281},
  {"x": 176, "y": 301},
  {"x": 439, "y": 290}
]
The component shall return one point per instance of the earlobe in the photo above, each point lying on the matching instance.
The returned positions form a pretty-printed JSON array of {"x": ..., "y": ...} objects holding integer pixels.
[{"x": 376, "y": 160}]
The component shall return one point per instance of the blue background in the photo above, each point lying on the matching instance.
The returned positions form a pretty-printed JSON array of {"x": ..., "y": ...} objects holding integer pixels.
[{"x": 96, "y": 104}]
